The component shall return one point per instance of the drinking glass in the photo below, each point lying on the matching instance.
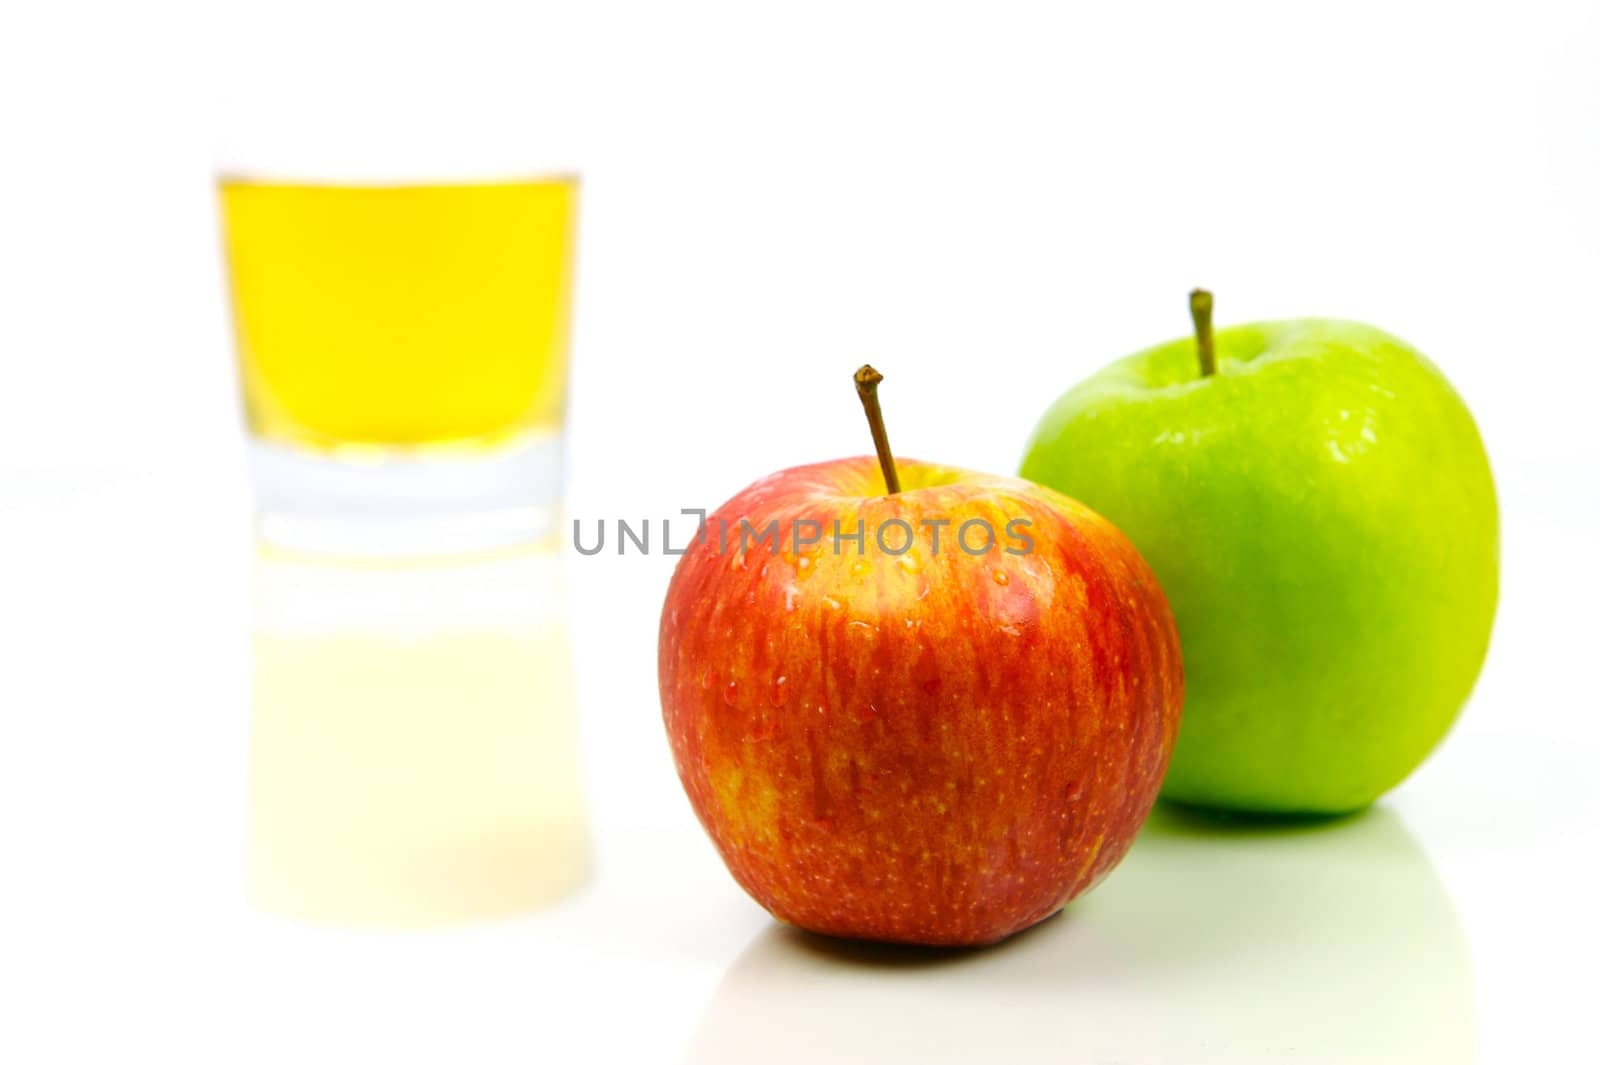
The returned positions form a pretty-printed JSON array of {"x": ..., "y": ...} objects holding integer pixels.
[{"x": 402, "y": 354}]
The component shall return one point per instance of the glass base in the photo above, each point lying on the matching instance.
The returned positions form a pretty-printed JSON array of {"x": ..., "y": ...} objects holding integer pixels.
[{"x": 407, "y": 504}]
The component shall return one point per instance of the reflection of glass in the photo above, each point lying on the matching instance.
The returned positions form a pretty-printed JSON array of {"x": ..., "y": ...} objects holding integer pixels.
[
  {"x": 402, "y": 351},
  {"x": 414, "y": 750},
  {"x": 1332, "y": 942}
]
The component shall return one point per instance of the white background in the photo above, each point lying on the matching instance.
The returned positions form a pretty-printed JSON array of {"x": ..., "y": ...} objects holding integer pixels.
[{"x": 988, "y": 201}]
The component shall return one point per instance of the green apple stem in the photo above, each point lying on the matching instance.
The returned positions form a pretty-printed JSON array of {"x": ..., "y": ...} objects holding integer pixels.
[
  {"x": 867, "y": 388},
  {"x": 1200, "y": 311}
]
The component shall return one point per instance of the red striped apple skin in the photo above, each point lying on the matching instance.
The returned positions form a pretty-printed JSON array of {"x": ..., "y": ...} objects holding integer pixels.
[{"x": 938, "y": 748}]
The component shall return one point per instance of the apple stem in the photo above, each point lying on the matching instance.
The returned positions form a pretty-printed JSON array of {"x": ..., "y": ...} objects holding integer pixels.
[
  {"x": 1200, "y": 311},
  {"x": 867, "y": 388}
]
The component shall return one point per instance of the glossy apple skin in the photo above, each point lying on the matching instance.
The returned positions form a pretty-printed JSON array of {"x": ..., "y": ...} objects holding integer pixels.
[
  {"x": 1322, "y": 516},
  {"x": 935, "y": 748}
]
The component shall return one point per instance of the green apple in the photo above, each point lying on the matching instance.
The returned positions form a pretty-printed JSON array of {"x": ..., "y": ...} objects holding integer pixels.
[{"x": 1319, "y": 508}]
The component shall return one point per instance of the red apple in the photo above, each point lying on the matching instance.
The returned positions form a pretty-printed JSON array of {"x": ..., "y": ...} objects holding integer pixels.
[{"x": 938, "y": 745}]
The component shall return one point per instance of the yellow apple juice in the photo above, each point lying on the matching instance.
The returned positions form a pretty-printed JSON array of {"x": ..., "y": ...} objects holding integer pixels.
[{"x": 400, "y": 317}]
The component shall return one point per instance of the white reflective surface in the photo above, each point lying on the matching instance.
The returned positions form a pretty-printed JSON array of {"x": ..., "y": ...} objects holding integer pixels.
[
  {"x": 1213, "y": 942},
  {"x": 266, "y": 810}
]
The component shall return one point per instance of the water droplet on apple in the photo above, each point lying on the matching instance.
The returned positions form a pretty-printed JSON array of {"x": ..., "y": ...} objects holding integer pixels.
[
  {"x": 791, "y": 595},
  {"x": 780, "y": 692},
  {"x": 730, "y": 694},
  {"x": 910, "y": 563},
  {"x": 1001, "y": 577},
  {"x": 831, "y": 603}
]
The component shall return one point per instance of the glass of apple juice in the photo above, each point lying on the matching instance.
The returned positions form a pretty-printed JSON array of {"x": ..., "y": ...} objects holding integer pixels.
[{"x": 402, "y": 356}]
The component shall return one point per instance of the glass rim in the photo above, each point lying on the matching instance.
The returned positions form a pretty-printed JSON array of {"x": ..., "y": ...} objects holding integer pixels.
[{"x": 242, "y": 177}]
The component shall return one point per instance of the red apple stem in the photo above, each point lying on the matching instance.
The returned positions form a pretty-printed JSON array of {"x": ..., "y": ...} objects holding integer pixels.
[
  {"x": 867, "y": 388},
  {"x": 1200, "y": 311}
]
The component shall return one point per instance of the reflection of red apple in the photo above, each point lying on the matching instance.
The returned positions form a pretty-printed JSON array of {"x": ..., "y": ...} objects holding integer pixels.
[{"x": 938, "y": 745}]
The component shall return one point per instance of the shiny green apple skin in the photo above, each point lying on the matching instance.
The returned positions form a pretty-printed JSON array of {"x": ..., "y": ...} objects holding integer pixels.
[{"x": 1323, "y": 519}]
